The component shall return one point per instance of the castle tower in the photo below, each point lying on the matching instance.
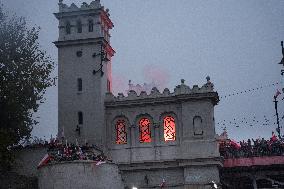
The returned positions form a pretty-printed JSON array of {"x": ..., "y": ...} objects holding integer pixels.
[{"x": 84, "y": 70}]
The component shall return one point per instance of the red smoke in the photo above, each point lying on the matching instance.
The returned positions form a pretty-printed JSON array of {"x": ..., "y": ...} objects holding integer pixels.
[{"x": 156, "y": 74}]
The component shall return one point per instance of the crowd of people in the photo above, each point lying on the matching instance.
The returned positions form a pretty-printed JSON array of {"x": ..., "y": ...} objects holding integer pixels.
[
  {"x": 69, "y": 152},
  {"x": 60, "y": 150},
  {"x": 252, "y": 148}
]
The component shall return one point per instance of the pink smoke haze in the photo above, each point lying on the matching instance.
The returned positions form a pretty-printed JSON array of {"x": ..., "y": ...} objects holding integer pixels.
[
  {"x": 158, "y": 75},
  {"x": 153, "y": 75},
  {"x": 119, "y": 83}
]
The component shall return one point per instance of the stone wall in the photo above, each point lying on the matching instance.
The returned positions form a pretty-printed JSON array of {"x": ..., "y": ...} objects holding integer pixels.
[
  {"x": 27, "y": 159},
  {"x": 173, "y": 176},
  {"x": 80, "y": 174}
]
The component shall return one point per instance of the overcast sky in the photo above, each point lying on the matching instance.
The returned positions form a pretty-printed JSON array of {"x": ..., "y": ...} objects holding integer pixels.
[{"x": 236, "y": 43}]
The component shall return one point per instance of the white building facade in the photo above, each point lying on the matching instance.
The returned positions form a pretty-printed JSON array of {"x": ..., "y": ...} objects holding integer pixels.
[{"x": 161, "y": 138}]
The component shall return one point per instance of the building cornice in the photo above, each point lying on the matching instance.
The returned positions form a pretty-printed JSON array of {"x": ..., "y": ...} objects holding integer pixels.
[
  {"x": 98, "y": 40},
  {"x": 212, "y": 96}
]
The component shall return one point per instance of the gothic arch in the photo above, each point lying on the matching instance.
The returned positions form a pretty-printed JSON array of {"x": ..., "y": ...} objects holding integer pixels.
[
  {"x": 90, "y": 25},
  {"x": 67, "y": 27},
  {"x": 79, "y": 26},
  {"x": 145, "y": 130},
  {"x": 198, "y": 125},
  {"x": 120, "y": 132},
  {"x": 168, "y": 124}
]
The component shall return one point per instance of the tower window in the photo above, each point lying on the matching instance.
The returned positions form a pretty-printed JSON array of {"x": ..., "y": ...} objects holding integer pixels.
[
  {"x": 91, "y": 25},
  {"x": 80, "y": 118},
  {"x": 68, "y": 27},
  {"x": 79, "y": 26},
  {"x": 169, "y": 129},
  {"x": 121, "y": 134},
  {"x": 144, "y": 130},
  {"x": 80, "y": 84},
  {"x": 79, "y": 53}
]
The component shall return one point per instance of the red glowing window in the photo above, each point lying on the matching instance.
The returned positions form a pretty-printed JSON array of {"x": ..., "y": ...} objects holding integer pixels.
[
  {"x": 121, "y": 134},
  {"x": 169, "y": 129},
  {"x": 144, "y": 130}
]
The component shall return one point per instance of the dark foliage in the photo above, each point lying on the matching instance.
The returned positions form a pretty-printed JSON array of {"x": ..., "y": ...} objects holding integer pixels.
[{"x": 25, "y": 73}]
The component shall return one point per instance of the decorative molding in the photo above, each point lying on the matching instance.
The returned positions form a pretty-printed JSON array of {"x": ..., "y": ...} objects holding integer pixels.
[
  {"x": 84, "y": 6},
  {"x": 181, "y": 92}
]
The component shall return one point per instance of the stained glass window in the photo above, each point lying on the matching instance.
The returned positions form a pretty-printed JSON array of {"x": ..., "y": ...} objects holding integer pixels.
[
  {"x": 144, "y": 130},
  {"x": 169, "y": 129},
  {"x": 121, "y": 134}
]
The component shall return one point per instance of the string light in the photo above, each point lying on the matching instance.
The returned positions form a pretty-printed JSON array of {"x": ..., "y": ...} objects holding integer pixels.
[
  {"x": 248, "y": 121},
  {"x": 250, "y": 90}
]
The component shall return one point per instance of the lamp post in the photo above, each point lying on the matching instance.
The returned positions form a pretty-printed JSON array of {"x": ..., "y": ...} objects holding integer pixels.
[
  {"x": 277, "y": 117},
  {"x": 275, "y": 96}
]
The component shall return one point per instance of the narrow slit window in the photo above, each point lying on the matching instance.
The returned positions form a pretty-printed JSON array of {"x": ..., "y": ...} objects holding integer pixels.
[
  {"x": 80, "y": 118},
  {"x": 68, "y": 28},
  {"x": 79, "y": 26},
  {"x": 80, "y": 84},
  {"x": 121, "y": 134},
  {"x": 108, "y": 86},
  {"x": 91, "y": 25},
  {"x": 169, "y": 129},
  {"x": 145, "y": 130}
]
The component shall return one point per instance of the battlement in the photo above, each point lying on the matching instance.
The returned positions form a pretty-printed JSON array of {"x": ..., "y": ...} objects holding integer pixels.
[
  {"x": 84, "y": 6},
  {"x": 179, "y": 90}
]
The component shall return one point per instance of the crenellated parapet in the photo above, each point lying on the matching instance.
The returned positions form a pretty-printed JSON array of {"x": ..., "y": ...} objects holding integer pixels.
[
  {"x": 207, "y": 90},
  {"x": 84, "y": 6}
]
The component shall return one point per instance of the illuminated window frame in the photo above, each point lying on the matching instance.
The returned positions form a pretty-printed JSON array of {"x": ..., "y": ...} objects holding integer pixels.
[
  {"x": 121, "y": 133},
  {"x": 145, "y": 130},
  {"x": 169, "y": 128}
]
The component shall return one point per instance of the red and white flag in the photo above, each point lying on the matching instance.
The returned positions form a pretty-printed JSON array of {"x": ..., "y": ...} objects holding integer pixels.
[
  {"x": 100, "y": 162},
  {"x": 44, "y": 160},
  {"x": 235, "y": 144},
  {"x": 163, "y": 183},
  {"x": 277, "y": 93}
]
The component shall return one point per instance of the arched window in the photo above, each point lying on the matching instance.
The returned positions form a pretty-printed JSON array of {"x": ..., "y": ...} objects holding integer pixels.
[
  {"x": 144, "y": 130},
  {"x": 91, "y": 25},
  {"x": 68, "y": 27},
  {"x": 197, "y": 125},
  {"x": 169, "y": 129},
  {"x": 121, "y": 134},
  {"x": 80, "y": 118},
  {"x": 79, "y": 26}
]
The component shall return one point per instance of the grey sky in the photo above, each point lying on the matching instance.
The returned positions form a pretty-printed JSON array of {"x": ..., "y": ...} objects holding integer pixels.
[{"x": 237, "y": 43}]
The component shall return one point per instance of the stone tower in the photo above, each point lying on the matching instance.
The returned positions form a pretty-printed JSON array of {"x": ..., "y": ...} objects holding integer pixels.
[{"x": 84, "y": 70}]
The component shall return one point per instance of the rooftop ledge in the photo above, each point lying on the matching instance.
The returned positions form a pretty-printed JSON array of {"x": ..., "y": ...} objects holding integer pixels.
[
  {"x": 85, "y": 8},
  {"x": 181, "y": 92}
]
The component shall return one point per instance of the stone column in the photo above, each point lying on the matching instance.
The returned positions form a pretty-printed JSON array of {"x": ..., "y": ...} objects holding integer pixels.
[
  {"x": 157, "y": 141},
  {"x": 132, "y": 140}
]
